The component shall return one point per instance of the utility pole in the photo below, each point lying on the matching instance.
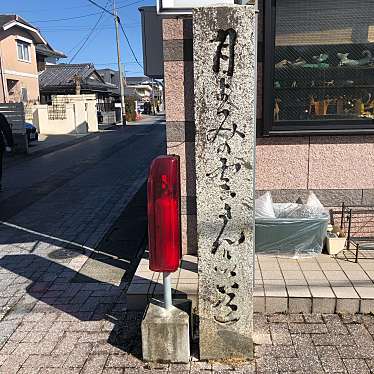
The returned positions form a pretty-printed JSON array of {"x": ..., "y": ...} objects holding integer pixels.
[
  {"x": 122, "y": 90},
  {"x": 124, "y": 75},
  {"x": 153, "y": 98}
]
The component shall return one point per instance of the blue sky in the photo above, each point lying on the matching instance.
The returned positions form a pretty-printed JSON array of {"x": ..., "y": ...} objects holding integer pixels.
[{"x": 68, "y": 35}]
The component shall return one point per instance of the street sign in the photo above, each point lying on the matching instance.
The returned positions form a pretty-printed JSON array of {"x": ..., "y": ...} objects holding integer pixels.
[{"x": 178, "y": 7}]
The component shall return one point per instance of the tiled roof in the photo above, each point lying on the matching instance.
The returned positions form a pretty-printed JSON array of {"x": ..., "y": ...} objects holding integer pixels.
[
  {"x": 135, "y": 81},
  {"x": 132, "y": 81},
  {"x": 6, "y": 18},
  {"x": 62, "y": 75},
  {"x": 47, "y": 50},
  {"x": 110, "y": 77}
]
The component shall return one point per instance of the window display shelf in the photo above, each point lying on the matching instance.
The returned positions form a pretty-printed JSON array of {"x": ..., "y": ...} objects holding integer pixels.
[
  {"x": 327, "y": 46},
  {"x": 333, "y": 72},
  {"x": 322, "y": 88},
  {"x": 318, "y": 66},
  {"x": 323, "y": 93}
]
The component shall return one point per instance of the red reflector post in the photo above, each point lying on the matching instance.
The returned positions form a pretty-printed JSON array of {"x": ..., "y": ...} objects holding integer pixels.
[{"x": 164, "y": 236}]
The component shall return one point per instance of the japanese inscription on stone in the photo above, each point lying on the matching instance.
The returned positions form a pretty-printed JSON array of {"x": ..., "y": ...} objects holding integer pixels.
[{"x": 224, "y": 65}]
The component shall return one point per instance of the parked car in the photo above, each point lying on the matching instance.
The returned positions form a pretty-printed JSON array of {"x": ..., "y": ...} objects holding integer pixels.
[{"x": 32, "y": 134}]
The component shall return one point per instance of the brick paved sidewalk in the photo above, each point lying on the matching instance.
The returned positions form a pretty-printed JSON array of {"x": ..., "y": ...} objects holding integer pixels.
[
  {"x": 55, "y": 318},
  {"x": 314, "y": 343},
  {"x": 52, "y": 341},
  {"x": 56, "y": 313}
]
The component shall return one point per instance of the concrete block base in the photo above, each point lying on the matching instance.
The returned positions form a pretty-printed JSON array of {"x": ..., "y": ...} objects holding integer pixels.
[
  {"x": 299, "y": 305},
  {"x": 324, "y": 305},
  {"x": 367, "y": 306},
  {"x": 259, "y": 304},
  {"x": 166, "y": 333},
  {"x": 347, "y": 306},
  {"x": 276, "y": 305}
]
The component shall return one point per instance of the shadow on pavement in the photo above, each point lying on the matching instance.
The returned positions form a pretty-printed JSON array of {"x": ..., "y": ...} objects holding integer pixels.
[
  {"x": 119, "y": 249},
  {"x": 45, "y": 255},
  {"x": 96, "y": 302},
  {"x": 55, "y": 286}
]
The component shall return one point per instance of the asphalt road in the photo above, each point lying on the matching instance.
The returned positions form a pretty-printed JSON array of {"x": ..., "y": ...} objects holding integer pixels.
[
  {"x": 125, "y": 152},
  {"x": 72, "y": 228},
  {"x": 86, "y": 198}
]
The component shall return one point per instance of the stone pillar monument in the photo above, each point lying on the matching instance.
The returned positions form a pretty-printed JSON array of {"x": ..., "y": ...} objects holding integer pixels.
[{"x": 225, "y": 90}]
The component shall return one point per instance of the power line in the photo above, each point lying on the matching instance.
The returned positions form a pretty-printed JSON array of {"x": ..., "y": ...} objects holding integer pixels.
[
  {"x": 84, "y": 15},
  {"x": 84, "y": 42},
  {"x": 49, "y": 9},
  {"x": 66, "y": 27},
  {"x": 129, "y": 44},
  {"x": 80, "y": 30},
  {"x": 74, "y": 30},
  {"x": 127, "y": 5},
  {"x": 83, "y": 28},
  {"x": 102, "y": 8},
  {"x": 114, "y": 63},
  {"x": 92, "y": 30},
  {"x": 66, "y": 19},
  {"x": 77, "y": 45},
  {"x": 89, "y": 34}
]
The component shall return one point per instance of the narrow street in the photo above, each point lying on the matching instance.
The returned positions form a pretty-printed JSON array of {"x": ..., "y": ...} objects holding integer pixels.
[
  {"x": 110, "y": 161},
  {"x": 72, "y": 224}
]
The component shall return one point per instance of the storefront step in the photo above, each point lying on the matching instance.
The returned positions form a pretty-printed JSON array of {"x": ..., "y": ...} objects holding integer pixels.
[{"x": 320, "y": 284}]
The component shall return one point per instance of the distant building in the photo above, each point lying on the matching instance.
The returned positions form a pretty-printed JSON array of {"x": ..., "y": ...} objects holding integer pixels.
[
  {"x": 144, "y": 88},
  {"x": 24, "y": 53},
  {"x": 110, "y": 76},
  {"x": 63, "y": 79},
  {"x": 139, "y": 88}
]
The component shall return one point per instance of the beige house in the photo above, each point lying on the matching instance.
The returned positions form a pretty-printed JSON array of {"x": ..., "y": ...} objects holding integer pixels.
[{"x": 23, "y": 54}]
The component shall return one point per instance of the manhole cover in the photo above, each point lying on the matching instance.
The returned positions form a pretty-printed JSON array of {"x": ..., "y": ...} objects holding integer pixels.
[{"x": 65, "y": 253}]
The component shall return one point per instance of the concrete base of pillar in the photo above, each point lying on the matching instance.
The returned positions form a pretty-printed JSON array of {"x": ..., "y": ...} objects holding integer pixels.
[{"x": 166, "y": 333}]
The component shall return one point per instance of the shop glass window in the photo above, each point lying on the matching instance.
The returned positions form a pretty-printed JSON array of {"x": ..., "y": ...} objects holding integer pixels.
[
  {"x": 23, "y": 51},
  {"x": 322, "y": 73}
]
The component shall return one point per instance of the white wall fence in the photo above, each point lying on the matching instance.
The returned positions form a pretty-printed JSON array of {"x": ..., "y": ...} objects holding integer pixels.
[{"x": 68, "y": 114}]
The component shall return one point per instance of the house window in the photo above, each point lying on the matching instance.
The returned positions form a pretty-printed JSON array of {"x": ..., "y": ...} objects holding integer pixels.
[
  {"x": 23, "y": 51},
  {"x": 319, "y": 66}
]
